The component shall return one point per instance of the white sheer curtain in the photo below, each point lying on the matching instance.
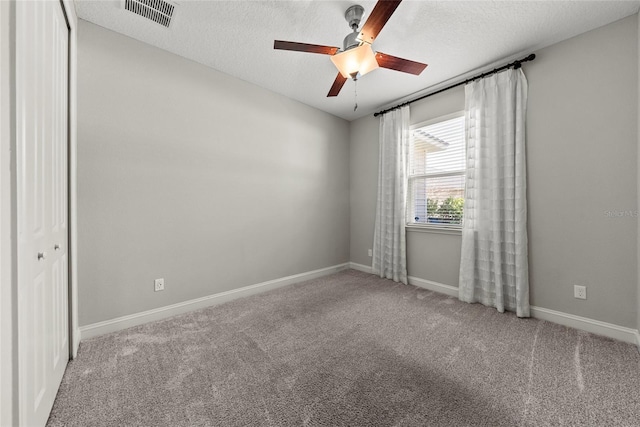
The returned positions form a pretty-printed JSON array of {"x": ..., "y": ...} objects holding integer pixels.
[
  {"x": 494, "y": 265},
  {"x": 389, "y": 241}
]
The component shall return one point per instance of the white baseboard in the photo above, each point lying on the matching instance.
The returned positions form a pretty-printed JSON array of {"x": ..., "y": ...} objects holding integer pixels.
[
  {"x": 415, "y": 281},
  {"x": 360, "y": 267},
  {"x": 433, "y": 286},
  {"x": 590, "y": 325},
  {"x": 136, "y": 319},
  {"x": 585, "y": 324},
  {"x": 597, "y": 327}
]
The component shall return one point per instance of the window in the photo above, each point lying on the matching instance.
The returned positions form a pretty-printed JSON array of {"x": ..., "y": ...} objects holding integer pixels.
[{"x": 437, "y": 172}]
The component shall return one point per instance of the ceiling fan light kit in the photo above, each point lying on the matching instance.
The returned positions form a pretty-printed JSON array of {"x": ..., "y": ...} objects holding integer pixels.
[
  {"x": 357, "y": 57},
  {"x": 356, "y": 61}
]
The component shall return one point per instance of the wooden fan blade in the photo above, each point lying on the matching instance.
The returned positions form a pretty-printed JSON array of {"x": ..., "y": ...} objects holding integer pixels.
[
  {"x": 379, "y": 16},
  {"x": 305, "y": 47},
  {"x": 399, "y": 64},
  {"x": 337, "y": 85}
]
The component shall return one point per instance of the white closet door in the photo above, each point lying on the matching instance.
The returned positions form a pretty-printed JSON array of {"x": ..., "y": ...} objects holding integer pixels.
[{"x": 41, "y": 98}]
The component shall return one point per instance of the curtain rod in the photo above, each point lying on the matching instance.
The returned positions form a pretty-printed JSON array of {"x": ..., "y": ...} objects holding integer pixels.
[{"x": 515, "y": 64}]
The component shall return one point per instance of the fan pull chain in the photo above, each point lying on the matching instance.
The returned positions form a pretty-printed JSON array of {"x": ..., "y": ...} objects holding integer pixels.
[{"x": 355, "y": 89}]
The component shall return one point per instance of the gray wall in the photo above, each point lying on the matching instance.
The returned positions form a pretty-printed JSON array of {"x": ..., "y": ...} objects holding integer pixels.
[
  {"x": 582, "y": 147},
  {"x": 363, "y": 168},
  {"x": 191, "y": 175}
]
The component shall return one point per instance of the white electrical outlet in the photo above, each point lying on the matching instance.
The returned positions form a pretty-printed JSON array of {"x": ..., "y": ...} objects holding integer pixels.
[
  {"x": 580, "y": 292},
  {"x": 158, "y": 285},
  {"x": 370, "y": 252}
]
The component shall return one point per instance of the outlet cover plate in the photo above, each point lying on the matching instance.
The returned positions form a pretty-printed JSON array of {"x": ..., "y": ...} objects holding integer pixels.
[
  {"x": 580, "y": 292},
  {"x": 158, "y": 285}
]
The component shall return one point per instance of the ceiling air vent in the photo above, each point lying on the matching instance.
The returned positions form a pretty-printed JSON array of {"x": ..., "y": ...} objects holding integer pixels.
[{"x": 158, "y": 11}]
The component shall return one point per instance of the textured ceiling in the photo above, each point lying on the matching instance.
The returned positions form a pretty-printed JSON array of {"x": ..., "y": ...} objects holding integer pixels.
[{"x": 453, "y": 37}]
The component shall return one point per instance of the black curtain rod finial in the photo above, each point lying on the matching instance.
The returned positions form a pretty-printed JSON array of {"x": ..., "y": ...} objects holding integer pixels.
[{"x": 515, "y": 64}]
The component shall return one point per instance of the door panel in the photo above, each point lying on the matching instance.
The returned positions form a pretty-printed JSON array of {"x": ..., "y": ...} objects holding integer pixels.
[
  {"x": 59, "y": 232},
  {"x": 42, "y": 149},
  {"x": 32, "y": 274}
]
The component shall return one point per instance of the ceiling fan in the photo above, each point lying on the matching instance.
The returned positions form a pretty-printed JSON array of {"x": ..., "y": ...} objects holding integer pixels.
[{"x": 357, "y": 57}]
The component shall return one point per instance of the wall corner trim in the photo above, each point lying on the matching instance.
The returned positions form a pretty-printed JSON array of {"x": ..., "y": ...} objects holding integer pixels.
[
  {"x": 638, "y": 340},
  {"x": 75, "y": 342},
  {"x": 119, "y": 323}
]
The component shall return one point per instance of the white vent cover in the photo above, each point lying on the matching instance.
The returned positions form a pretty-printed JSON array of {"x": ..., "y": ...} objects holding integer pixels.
[{"x": 158, "y": 11}]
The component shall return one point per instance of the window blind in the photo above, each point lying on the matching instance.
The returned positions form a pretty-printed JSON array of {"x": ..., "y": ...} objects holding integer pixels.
[{"x": 437, "y": 173}]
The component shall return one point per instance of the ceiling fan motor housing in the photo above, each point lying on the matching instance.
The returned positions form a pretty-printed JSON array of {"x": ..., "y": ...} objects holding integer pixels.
[
  {"x": 353, "y": 16},
  {"x": 351, "y": 41}
]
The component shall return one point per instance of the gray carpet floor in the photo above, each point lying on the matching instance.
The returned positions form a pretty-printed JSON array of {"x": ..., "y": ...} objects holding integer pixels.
[{"x": 350, "y": 349}]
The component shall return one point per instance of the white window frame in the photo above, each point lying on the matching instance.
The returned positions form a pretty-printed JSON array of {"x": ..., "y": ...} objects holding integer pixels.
[{"x": 440, "y": 228}]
